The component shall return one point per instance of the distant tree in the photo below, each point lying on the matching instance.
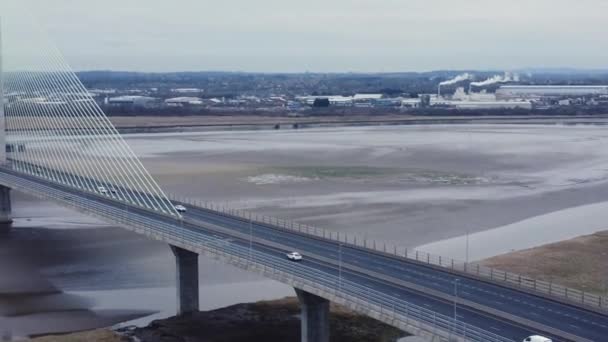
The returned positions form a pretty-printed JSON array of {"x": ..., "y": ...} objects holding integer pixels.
[
  {"x": 321, "y": 103},
  {"x": 391, "y": 91}
]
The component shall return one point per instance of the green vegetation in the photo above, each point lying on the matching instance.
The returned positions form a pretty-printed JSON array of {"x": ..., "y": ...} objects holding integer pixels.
[
  {"x": 324, "y": 172},
  {"x": 396, "y": 175}
]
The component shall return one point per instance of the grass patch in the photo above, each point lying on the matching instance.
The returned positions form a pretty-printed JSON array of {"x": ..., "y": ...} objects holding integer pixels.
[{"x": 324, "y": 172}]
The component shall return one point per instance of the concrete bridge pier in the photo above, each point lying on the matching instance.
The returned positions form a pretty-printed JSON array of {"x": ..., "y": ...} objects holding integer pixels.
[
  {"x": 6, "y": 220},
  {"x": 314, "y": 318},
  {"x": 186, "y": 263}
]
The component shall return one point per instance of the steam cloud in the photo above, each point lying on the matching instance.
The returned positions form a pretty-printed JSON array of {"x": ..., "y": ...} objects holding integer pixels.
[
  {"x": 459, "y": 78},
  {"x": 497, "y": 79}
]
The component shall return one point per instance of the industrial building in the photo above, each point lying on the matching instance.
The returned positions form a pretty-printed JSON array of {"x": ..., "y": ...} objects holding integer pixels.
[
  {"x": 132, "y": 101},
  {"x": 491, "y": 104},
  {"x": 186, "y": 90},
  {"x": 334, "y": 100},
  {"x": 183, "y": 101},
  {"x": 508, "y": 92}
]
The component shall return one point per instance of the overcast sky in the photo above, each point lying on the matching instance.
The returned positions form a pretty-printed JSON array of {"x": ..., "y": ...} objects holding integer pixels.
[{"x": 327, "y": 35}]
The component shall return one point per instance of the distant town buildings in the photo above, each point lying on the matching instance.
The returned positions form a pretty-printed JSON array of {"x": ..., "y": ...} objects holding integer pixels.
[
  {"x": 132, "y": 101},
  {"x": 300, "y": 94},
  {"x": 184, "y": 101},
  {"x": 187, "y": 90},
  {"x": 543, "y": 91}
]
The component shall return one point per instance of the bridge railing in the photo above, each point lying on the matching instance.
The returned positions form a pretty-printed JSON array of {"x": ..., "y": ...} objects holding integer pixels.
[{"x": 470, "y": 268}]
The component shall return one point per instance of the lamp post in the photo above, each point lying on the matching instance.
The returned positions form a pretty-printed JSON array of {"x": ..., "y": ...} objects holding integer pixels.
[
  {"x": 339, "y": 267},
  {"x": 250, "y": 239},
  {"x": 467, "y": 252},
  {"x": 456, "y": 281}
]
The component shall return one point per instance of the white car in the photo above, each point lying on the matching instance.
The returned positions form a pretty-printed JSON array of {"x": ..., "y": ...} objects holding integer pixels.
[
  {"x": 294, "y": 256},
  {"x": 537, "y": 338},
  {"x": 102, "y": 190},
  {"x": 180, "y": 208}
]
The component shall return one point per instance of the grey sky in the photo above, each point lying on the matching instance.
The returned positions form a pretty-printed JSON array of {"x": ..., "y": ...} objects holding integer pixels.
[{"x": 327, "y": 35}]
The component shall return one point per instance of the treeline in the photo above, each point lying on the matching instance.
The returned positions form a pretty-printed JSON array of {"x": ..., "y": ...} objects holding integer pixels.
[{"x": 232, "y": 84}]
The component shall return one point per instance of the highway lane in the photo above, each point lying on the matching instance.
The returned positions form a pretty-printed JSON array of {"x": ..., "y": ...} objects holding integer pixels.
[
  {"x": 567, "y": 318},
  {"x": 365, "y": 286},
  {"x": 509, "y": 300}
]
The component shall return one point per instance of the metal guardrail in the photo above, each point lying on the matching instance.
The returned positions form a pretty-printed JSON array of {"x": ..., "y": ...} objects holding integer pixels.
[
  {"x": 470, "y": 268},
  {"x": 379, "y": 305}
]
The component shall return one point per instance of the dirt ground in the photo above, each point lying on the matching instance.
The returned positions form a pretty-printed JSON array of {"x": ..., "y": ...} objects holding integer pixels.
[
  {"x": 100, "y": 335},
  {"x": 276, "y": 320},
  {"x": 580, "y": 263},
  {"x": 213, "y": 120},
  {"x": 238, "y": 119}
]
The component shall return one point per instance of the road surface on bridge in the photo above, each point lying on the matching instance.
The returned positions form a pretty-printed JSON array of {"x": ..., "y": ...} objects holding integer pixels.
[{"x": 355, "y": 265}]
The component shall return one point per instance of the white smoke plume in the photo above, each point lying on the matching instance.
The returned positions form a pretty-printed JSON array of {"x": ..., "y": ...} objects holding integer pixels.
[
  {"x": 459, "y": 78},
  {"x": 497, "y": 79}
]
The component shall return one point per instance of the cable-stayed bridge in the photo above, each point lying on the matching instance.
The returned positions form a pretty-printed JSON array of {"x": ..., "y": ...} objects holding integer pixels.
[{"x": 60, "y": 146}]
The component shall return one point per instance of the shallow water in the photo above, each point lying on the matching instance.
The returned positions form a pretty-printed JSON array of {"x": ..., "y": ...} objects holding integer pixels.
[
  {"x": 539, "y": 230},
  {"x": 211, "y": 297}
]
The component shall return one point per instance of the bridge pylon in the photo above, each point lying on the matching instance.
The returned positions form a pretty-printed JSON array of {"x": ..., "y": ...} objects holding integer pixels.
[
  {"x": 5, "y": 192},
  {"x": 314, "y": 318},
  {"x": 6, "y": 219},
  {"x": 2, "y": 118},
  {"x": 186, "y": 280}
]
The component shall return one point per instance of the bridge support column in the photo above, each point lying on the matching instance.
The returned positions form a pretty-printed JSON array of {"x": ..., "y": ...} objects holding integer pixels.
[
  {"x": 6, "y": 220},
  {"x": 315, "y": 317},
  {"x": 186, "y": 263}
]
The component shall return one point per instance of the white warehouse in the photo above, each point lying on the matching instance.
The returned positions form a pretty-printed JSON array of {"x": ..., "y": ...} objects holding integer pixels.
[
  {"x": 183, "y": 101},
  {"x": 539, "y": 91}
]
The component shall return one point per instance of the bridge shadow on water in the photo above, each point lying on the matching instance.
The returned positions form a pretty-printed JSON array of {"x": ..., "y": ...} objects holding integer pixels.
[{"x": 34, "y": 263}]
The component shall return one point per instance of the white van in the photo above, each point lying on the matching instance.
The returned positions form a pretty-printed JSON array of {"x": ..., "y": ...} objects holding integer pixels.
[
  {"x": 537, "y": 338},
  {"x": 102, "y": 190}
]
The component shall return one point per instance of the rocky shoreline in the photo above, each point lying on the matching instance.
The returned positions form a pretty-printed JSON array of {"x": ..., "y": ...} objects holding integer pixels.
[{"x": 276, "y": 321}]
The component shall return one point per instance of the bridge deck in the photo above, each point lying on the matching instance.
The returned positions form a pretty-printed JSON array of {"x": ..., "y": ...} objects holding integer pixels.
[{"x": 397, "y": 285}]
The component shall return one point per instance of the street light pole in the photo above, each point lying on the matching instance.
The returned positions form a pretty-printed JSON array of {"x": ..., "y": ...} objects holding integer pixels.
[
  {"x": 456, "y": 281},
  {"x": 467, "y": 252},
  {"x": 250, "y": 239},
  {"x": 339, "y": 267}
]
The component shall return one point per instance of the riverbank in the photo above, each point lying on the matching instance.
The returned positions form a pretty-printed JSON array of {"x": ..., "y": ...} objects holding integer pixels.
[
  {"x": 98, "y": 335},
  {"x": 580, "y": 263},
  {"x": 159, "y": 124},
  {"x": 276, "y": 320}
]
